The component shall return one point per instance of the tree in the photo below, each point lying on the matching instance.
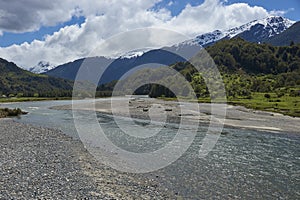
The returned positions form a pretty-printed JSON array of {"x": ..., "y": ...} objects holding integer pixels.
[
  {"x": 292, "y": 43},
  {"x": 268, "y": 96}
]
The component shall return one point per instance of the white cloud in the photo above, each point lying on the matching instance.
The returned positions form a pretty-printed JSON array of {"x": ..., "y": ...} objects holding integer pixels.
[
  {"x": 281, "y": 12},
  {"x": 213, "y": 14},
  {"x": 28, "y": 15},
  {"x": 106, "y": 18},
  {"x": 170, "y": 3}
]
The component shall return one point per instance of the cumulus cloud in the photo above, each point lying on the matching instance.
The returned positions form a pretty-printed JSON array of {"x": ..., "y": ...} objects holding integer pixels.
[
  {"x": 104, "y": 19},
  {"x": 28, "y": 15},
  {"x": 213, "y": 14},
  {"x": 281, "y": 12}
]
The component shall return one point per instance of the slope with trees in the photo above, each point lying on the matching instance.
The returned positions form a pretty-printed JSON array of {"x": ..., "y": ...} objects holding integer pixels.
[{"x": 16, "y": 82}]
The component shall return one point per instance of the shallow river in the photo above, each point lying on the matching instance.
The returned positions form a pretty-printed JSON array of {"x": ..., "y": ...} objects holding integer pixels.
[{"x": 244, "y": 164}]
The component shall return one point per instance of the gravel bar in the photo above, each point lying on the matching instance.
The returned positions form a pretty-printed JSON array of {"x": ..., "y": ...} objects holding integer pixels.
[
  {"x": 42, "y": 163},
  {"x": 236, "y": 116}
]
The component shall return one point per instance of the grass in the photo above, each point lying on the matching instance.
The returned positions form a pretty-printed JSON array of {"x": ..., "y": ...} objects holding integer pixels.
[
  {"x": 23, "y": 99},
  {"x": 286, "y": 104}
]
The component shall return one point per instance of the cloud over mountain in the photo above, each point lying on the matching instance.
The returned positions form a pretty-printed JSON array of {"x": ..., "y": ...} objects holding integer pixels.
[{"x": 104, "y": 19}]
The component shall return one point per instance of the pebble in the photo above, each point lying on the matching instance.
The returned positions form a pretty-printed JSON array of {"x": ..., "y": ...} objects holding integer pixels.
[{"x": 42, "y": 163}]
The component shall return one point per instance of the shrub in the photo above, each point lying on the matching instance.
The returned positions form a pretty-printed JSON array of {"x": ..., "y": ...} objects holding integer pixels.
[{"x": 6, "y": 112}]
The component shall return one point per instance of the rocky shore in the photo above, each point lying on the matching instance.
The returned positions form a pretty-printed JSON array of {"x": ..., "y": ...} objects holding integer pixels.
[{"x": 42, "y": 163}]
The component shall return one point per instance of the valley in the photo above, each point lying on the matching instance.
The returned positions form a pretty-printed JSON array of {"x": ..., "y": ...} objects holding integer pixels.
[{"x": 95, "y": 105}]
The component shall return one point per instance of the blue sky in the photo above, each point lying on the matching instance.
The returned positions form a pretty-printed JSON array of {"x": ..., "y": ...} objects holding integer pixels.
[
  {"x": 8, "y": 38},
  {"x": 291, "y": 6},
  {"x": 175, "y": 6},
  {"x": 59, "y": 31},
  {"x": 286, "y": 5}
]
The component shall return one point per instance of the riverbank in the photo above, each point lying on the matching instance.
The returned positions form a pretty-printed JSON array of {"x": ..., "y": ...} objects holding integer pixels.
[
  {"x": 236, "y": 116},
  {"x": 26, "y": 99},
  {"x": 42, "y": 163},
  {"x": 270, "y": 102}
]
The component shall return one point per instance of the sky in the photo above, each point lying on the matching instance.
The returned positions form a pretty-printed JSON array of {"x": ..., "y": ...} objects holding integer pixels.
[{"x": 61, "y": 31}]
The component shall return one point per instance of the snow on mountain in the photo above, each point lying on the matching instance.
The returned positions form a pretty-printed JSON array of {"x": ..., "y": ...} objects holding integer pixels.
[
  {"x": 255, "y": 31},
  {"x": 133, "y": 54},
  {"x": 42, "y": 67},
  {"x": 273, "y": 24}
]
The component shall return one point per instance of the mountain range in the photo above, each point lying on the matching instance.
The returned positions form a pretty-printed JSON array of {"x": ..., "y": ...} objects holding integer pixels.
[
  {"x": 273, "y": 30},
  {"x": 116, "y": 68},
  {"x": 257, "y": 31}
]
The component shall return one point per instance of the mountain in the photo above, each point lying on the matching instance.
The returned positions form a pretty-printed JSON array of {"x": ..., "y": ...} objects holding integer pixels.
[
  {"x": 15, "y": 81},
  {"x": 133, "y": 54},
  {"x": 285, "y": 38},
  {"x": 116, "y": 67},
  {"x": 41, "y": 67},
  {"x": 255, "y": 31},
  {"x": 246, "y": 67},
  {"x": 66, "y": 71}
]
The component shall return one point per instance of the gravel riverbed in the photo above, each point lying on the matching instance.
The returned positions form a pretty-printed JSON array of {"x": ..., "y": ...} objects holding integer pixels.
[
  {"x": 42, "y": 163},
  {"x": 236, "y": 116}
]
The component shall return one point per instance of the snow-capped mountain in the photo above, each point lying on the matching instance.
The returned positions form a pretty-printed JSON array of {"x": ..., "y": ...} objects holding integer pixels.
[
  {"x": 42, "y": 67},
  {"x": 134, "y": 53},
  {"x": 255, "y": 31}
]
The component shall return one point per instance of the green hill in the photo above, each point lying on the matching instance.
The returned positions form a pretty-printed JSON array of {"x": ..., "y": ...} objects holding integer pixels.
[
  {"x": 237, "y": 54},
  {"x": 15, "y": 81},
  {"x": 250, "y": 67}
]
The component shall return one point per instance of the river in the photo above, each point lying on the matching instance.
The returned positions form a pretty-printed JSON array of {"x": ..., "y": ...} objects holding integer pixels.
[{"x": 244, "y": 164}]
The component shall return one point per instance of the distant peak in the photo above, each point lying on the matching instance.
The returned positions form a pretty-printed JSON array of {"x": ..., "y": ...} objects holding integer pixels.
[
  {"x": 260, "y": 29},
  {"x": 277, "y": 20},
  {"x": 42, "y": 67}
]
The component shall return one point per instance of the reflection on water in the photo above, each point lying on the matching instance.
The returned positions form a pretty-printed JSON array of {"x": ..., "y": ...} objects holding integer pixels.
[{"x": 244, "y": 164}]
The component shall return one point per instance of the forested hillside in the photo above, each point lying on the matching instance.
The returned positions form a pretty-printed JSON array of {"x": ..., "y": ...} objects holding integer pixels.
[
  {"x": 249, "y": 67},
  {"x": 15, "y": 81}
]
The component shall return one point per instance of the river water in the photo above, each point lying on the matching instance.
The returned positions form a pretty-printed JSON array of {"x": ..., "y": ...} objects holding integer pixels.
[{"x": 244, "y": 164}]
